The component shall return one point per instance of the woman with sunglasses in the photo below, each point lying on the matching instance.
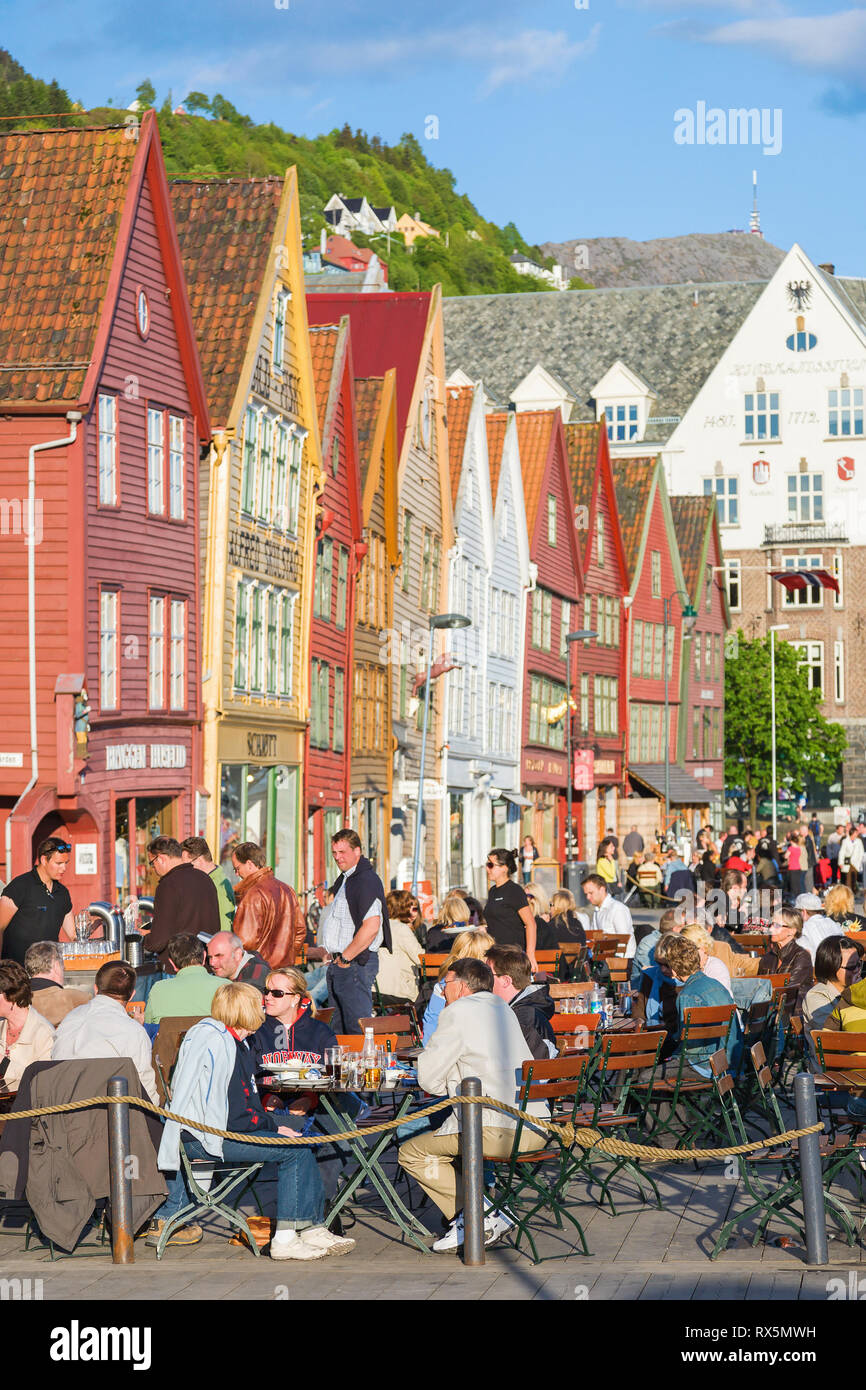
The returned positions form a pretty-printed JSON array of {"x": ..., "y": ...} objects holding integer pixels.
[
  {"x": 291, "y": 1031},
  {"x": 508, "y": 912},
  {"x": 785, "y": 956}
]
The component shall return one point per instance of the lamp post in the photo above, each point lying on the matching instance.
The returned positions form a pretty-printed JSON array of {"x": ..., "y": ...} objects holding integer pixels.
[
  {"x": 690, "y": 617},
  {"x": 437, "y": 621},
  {"x": 583, "y": 635},
  {"x": 778, "y": 627}
]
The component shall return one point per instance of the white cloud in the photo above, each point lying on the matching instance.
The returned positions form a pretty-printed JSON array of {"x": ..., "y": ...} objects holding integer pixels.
[{"x": 832, "y": 44}]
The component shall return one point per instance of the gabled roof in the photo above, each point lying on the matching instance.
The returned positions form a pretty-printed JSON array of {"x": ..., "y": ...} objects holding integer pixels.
[
  {"x": 692, "y": 516},
  {"x": 323, "y": 352},
  {"x": 226, "y": 229},
  {"x": 581, "y": 443},
  {"x": 375, "y": 413},
  {"x": 341, "y": 248},
  {"x": 534, "y": 434},
  {"x": 497, "y": 425},
  {"x": 672, "y": 334},
  {"x": 458, "y": 400},
  {"x": 634, "y": 478},
  {"x": 368, "y": 399}
]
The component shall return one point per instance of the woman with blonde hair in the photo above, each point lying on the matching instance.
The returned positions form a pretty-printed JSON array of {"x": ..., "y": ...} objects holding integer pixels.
[
  {"x": 565, "y": 924},
  {"x": 839, "y": 907},
  {"x": 469, "y": 943},
  {"x": 454, "y": 917},
  {"x": 711, "y": 964},
  {"x": 214, "y": 1083},
  {"x": 291, "y": 1030}
]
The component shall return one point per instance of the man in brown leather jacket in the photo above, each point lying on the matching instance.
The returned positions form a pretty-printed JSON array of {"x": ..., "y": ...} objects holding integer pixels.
[{"x": 268, "y": 917}]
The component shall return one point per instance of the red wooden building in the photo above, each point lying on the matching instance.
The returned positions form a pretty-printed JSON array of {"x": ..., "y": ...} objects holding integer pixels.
[
  {"x": 339, "y": 531},
  {"x": 598, "y": 669},
  {"x": 552, "y": 611},
  {"x": 102, "y": 413}
]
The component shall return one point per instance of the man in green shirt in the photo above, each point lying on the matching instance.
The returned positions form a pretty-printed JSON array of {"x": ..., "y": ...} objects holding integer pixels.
[
  {"x": 196, "y": 851},
  {"x": 190, "y": 992}
]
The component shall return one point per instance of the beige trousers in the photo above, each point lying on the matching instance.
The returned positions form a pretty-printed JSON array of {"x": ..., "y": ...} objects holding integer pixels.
[{"x": 429, "y": 1159}]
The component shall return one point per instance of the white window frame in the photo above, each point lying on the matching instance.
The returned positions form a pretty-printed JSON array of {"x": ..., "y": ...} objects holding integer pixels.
[
  {"x": 265, "y": 469},
  {"x": 656, "y": 573},
  {"x": 761, "y": 409},
  {"x": 281, "y": 303},
  {"x": 155, "y": 462},
  {"x": 808, "y": 597},
  {"x": 286, "y": 660},
  {"x": 551, "y": 519},
  {"x": 726, "y": 490},
  {"x": 812, "y": 656},
  {"x": 734, "y": 576},
  {"x": 177, "y": 655},
  {"x": 845, "y": 403},
  {"x": 109, "y": 646},
  {"x": 623, "y": 421},
  {"x": 107, "y": 464},
  {"x": 839, "y": 672},
  {"x": 838, "y": 575},
  {"x": 805, "y": 499},
  {"x": 156, "y": 651},
  {"x": 176, "y": 466}
]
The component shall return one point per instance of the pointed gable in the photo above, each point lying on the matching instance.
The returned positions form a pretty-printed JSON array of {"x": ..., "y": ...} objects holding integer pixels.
[
  {"x": 323, "y": 352},
  {"x": 368, "y": 400},
  {"x": 634, "y": 479},
  {"x": 692, "y": 516},
  {"x": 496, "y": 425},
  {"x": 535, "y": 437},
  {"x": 459, "y": 407}
]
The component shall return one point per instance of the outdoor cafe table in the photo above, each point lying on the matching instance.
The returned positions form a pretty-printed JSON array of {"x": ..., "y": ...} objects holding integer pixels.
[{"x": 332, "y": 1100}]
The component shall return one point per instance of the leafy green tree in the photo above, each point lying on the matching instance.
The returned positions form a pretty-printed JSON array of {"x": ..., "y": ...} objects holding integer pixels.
[
  {"x": 145, "y": 93},
  {"x": 807, "y": 744},
  {"x": 197, "y": 101}
]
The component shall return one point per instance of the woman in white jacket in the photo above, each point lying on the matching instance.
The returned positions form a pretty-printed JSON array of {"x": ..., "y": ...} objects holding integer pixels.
[
  {"x": 397, "y": 978},
  {"x": 851, "y": 859}
]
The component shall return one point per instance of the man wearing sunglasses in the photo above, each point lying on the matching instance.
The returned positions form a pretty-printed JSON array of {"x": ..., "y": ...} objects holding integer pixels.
[{"x": 36, "y": 906}]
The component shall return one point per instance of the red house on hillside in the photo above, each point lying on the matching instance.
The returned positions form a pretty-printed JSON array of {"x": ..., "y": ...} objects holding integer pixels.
[
  {"x": 339, "y": 530},
  {"x": 552, "y": 611},
  {"x": 102, "y": 414},
  {"x": 599, "y": 666}
]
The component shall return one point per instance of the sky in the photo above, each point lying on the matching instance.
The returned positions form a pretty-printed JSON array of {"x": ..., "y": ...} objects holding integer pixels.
[{"x": 572, "y": 118}]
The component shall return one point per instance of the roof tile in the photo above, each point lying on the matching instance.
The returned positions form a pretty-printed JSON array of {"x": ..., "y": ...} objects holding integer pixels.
[
  {"x": 534, "y": 429},
  {"x": 323, "y": 348},
  {"x": 691, "y": 516},
  {"x": 633, "y": 479},
  {"x": 459, "y": 406},
  {"x": 368, "y": 401},
  {"x": 497, "y": 424}
]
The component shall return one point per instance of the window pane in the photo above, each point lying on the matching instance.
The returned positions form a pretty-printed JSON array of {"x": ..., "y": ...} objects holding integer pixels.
[
  {"x": 156, "y": 654},
  {"x": 175, "y": 466},
  {"x": 155, "y": 455},
  {"x": 178, "y": 655}
]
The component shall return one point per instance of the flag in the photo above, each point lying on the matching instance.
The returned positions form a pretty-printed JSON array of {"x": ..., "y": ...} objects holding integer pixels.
[{"x": 805, "y": 579}]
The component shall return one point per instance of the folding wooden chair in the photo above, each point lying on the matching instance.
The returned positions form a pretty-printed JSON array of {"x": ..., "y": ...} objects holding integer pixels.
[
  {"x": 548, "y": 962},
  {"x": 615, "y": 1096},
  {"x": 402, "y": 1026},
  {"x": 691, "y": 1116},
  {"x": 572, "y": 989},
  {"x": 572, "y": 960},
  {"x": 166, "y": 1046},
  {"x": 431, "y": 965}
]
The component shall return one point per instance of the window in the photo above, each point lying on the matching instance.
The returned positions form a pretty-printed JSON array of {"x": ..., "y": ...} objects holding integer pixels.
[
  {"x": 671, "y": 643},
  {"x": 717, "y": 656},
  {"x": 599, "y": 541},
  {"x": 800, "y": 598},
  {"x": 696, "y": 643},
  {"x": 584, "y": 703},
  {"x": 839, "y": 672},
  {"x": 281, "y": 478},
  {"x": 473, "y": 703},
  {"x": 248, "y": 482},
  {"x": 551, "y": 519},
  {"x": 845, "y": 412},
  {"x": 717, "y": 732},
  {"x": 606, "y": 694},
  {"x": 266, "y": 436},
  {"x": 648, "y": 638},
  {"x": 838, "y": 599},
  {"x": 338, "y": 742},
  {"x": 732, "y": 583},
  {"x": 805, "y": 497},
  {"x": 658, "y": 650},
  {"x": 456, "y": 700},
  {"x": 175, "y": 467},
  {"x": 323, "y": 576},
  {"x": 587, "y": 616},
  {"x": 257, "y": 638},
  {"x": 280, "y": 329},
  {"x": 811, "y": 660},
  {"x": 725, "y": 491},
  {"x": 343, "y": 585},
  {"x": 156, "y": 653},
  {"x": 242, "y": 635},
  {"x": 492, "y": 733},
  {"x": 109, "y": 694},
  {"x": 108, "y": 451},
  {"x": 546, "y": 696},
  {"x": 155, "y": 457},
  {"x": 762, "y": 415},
  {"x": 273, "y": 641},
  {"x": 621, "y": 422},
  {"x": 177, "y": 658},
  {"x": 435, "y": 578},
  {"x": 407, "y": 552},
  {"x": 297, "y": 449},
  {"x": 696, "y": 730},
  {"x": 801, "y": 341},
  {"x": 564, "y": 629},
  {"x": 708, "y": 588},
  {"x": 287, "y": 614},
  {"x": 637, "y": 648},
  {"x": 656, "y": 561},
  {"x": 320, "y": 692}
]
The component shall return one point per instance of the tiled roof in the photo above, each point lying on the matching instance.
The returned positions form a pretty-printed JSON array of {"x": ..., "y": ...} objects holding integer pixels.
[
  {"x": 341, "y": 248},
  {"x": 368, "y": 399},
  {"x": 458, "y": 400},
  {"x": 633, "y": 478},
  {"x": 581, "y": 442},
  {"x": 534, "y": 428},
  {"x": 497, "y": 424},
  {"x": 672, "y": 335},
  {"x": 323, "y": 348},
  {"x": 226, "y": 229},
  {"x": 62, "y": 194},
  {"x": 691, "y": 516}
]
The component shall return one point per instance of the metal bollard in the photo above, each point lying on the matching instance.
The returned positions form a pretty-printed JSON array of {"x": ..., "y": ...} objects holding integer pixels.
[
  {"x": 122, "y": 1252},
  {"x": 472, "y": 1160},
  {"x": 811, "y": 1177}
]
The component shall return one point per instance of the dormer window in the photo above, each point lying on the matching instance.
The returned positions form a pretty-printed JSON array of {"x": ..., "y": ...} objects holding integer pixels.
[
  {"x": 624, "y": 399},
  {"x": 622, "y": 422}
]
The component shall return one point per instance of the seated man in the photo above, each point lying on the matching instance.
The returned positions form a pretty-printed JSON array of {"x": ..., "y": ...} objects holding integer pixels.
[
  {"x": 530, "y": 1003},
  {"x": 228, "y": 960},
  {"x": 189, "y": 993},
  {"x": 103, "y": 1028},
  {"x": 52, "y": 998},
  {"x": 478, "y": 1035},
  {"x": 609, "y": 916}
]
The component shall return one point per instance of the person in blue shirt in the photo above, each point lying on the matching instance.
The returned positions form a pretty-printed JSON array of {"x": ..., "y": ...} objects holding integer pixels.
[{"x": 698, "y": 991}]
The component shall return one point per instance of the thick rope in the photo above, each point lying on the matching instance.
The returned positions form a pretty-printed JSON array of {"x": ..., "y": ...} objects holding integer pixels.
[{"x": 566, "y": 1133}]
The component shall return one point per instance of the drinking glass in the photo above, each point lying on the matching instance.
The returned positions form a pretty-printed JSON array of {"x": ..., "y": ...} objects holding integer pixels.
[
  {"x": 332, "y": 1062},
  {"x": 346, "y": 1069}
]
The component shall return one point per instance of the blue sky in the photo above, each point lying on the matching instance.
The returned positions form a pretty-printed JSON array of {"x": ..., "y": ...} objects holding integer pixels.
[{"x": 560, "y": 118}]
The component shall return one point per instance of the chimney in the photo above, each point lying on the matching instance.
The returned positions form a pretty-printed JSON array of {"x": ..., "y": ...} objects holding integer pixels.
[
  {"x": 828, "y": 268},
  {"x": 512, "y": 405},
  {"x": 323, "y": 241}
]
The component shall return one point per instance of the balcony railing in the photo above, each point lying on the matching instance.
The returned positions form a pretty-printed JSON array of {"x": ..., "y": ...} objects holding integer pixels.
[{"x": 805, "y": 533}]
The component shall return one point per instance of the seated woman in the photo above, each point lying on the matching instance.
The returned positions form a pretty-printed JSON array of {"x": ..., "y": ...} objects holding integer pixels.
[
  {"x": 839, "y": 907},
  {"x": 291, "y": 1030},
  {"x": 469, "y": 943},
  {"x": 649, "y": 880},
  {"x": 655, "y": 1003},
  {"x": 397, "y": 980},
  {"x": 25, "y": 1036},
  {"x": 565, "y": 925},
  {"x": 785, "y": 957},
  {"x": 452, "y": 920},
  {"x": 214, "y": 1082},
  {"x": 538, "y": 901},
  {"x": 837, "y": 966},
  {"x": 711, "y": 963}
]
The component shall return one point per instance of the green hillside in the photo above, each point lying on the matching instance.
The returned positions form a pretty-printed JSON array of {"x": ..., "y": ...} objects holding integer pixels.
[{"x": 214, "y": 138}]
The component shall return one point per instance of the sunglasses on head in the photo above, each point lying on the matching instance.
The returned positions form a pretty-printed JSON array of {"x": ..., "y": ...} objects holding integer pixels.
[
  {"x": 281, "y": 993},
  {"x": 60, "y": 847}
]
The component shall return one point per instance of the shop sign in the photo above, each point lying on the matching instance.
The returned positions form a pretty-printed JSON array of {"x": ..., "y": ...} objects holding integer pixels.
[
  {"x": 584, "y": 769},
  {"x": 85, "y": 859},
  {"x": 605, "y": 767},
  {"x": 121, "y": 757},
  {"x": 262, "y": 746},
  {"x": 11, "y": 759},
  {"x": 552, "y": 767}
]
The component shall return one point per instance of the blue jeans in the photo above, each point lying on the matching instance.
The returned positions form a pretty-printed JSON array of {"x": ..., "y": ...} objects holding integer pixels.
[
  {"x": 317, "y": 985},
  {"x": 350, "y": 989},
  {"x": 300, "y": 1195}
]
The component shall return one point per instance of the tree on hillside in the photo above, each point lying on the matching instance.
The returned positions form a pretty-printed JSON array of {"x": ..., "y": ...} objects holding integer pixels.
[
  {"x": 197, "y": 101},
  {"x": 807, "y": 744},
  {"x": 145, "y": 94}
]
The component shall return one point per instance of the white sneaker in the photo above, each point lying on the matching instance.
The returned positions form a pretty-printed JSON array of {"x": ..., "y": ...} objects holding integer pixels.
[
  {"x": 287, "y": 1245},
  {"x": 453, "y": 1237},
  {"x": 495, "y": 1226},
  {"x": 320, "y": 1238}
]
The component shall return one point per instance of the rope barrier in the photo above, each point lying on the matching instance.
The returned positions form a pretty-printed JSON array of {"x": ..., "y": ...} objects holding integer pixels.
[{"x": 566, "y": 1133}]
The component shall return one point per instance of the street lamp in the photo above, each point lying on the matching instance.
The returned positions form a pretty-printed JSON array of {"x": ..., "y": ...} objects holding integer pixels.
[
  {"x": 690, "y": 617},
  {"x": 583, "y": 635},
  {"x": 438, "y": 620},
  {"x": 778, "y": 627}
]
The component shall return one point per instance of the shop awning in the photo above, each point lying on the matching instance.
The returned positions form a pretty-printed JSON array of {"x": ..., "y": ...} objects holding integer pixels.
[
  {"x": 685, "y": 789},
  {"x": 516, "y": 799}
]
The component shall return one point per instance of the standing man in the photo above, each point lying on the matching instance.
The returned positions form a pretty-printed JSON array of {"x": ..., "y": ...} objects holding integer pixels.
[
  {"x": 185, "y": 902},
  {"x": 609, "y": 916},
  {"x": 268, "y": 919},
  {"x": 352, "y": 929},
  {"x": 633, "y": 843},
  {"x": 196, "y": 851},
  {"x": 36, "y": 906}
]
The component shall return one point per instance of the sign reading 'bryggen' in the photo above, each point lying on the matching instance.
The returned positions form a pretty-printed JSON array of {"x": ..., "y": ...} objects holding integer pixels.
[{"x": 122, "y": 756}]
